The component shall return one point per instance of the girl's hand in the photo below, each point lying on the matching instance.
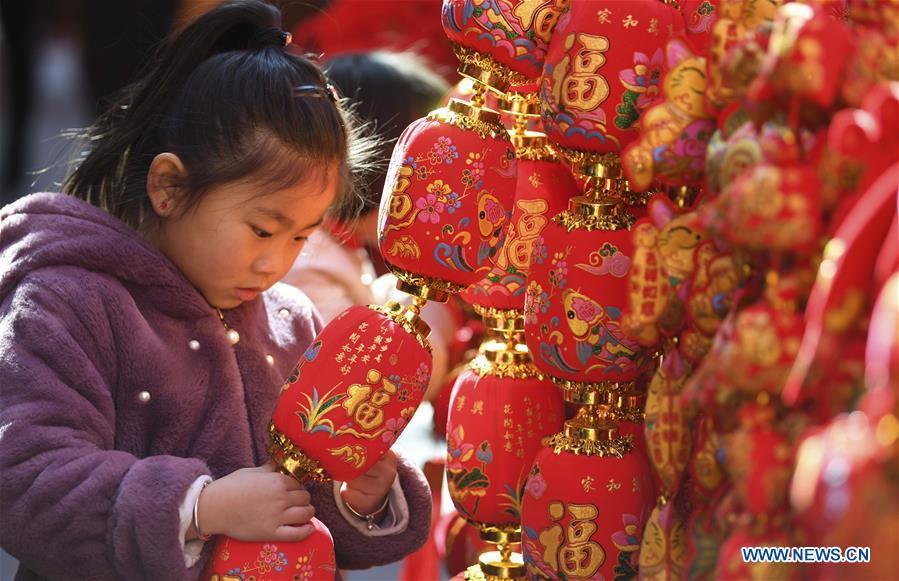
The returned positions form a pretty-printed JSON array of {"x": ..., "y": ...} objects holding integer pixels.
[
  {"x": 256, "y": 504},
  {"x": 366, "y": 494}
]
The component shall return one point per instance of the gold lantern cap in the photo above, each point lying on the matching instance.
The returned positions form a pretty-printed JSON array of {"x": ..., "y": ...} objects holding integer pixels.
[
  {"x": 409, "y": 318},
  {"x": 487, "y": 123},
  {"x": 293, "y": 461}
]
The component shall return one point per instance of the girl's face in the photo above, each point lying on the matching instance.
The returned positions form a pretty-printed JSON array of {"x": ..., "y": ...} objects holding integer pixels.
[{"x": 238, "y": 241}]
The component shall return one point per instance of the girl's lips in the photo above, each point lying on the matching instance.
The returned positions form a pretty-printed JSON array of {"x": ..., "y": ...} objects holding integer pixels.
[{"x": 247, "y": 294}]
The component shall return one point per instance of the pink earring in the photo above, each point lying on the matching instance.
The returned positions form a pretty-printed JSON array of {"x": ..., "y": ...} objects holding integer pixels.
[{"x": 164, "y": 205}]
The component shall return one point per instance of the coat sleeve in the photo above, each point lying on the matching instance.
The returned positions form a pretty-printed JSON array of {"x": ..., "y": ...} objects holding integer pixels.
[
  {"x": 356, "y": 550},
  {"x": 71, "y": 506}
]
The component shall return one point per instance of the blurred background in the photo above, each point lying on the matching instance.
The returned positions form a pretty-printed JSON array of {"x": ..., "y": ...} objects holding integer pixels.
[{"x": 62, "y": 61}]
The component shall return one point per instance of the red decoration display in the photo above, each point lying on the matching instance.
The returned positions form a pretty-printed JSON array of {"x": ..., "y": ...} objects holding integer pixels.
[
  {"x": 604, "y": 67},
  {"x": 350, "y": 396},
  {"x": 494, "y": 432},
  {"x": 507, "y": 38},
  {"x": 447, "y": 198},
  {"x": 312, "y": 559},
  {"x": 541, "y": 192},
  {"x": 583, "y": 516},
  {"x": 575, "y": 300}
]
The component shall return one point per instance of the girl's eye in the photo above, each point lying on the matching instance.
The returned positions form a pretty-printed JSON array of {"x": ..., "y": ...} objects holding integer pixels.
[
  {"x": 260, "y": 232},
  {"x": 300, "y": 238}
]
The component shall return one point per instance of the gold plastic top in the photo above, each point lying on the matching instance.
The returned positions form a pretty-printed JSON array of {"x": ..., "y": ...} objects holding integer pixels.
[
  {"x": 585, "y": 213},
  {"x": 483, "y": 68},
  {"x": 470, "y": 117},
  {"x": 502, "y": 320},
  {"x": 408, "y": 318},
  {"x": 526, "y": 104}
]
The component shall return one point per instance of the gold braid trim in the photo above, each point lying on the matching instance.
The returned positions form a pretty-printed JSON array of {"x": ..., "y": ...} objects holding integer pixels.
[
  {"x": 408, "y": 319},
  {"x": 474, "y": 573},
  {"x": 489, "y": 65},
  {"x": 483, "y": 367},
  {"x": 571, "y": 221},
  {"x": 425, "y": 281},
  {"x": 626, "y": 415},
  {"x": 292, "y": 460},
  {"x": 617, "y": 446},
  {"x": 584, "y": 388},
  {"x": 483, "y": 128}
]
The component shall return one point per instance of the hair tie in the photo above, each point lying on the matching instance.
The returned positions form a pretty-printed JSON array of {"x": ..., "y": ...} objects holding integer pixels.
[
  {"x": 271, "y": 36},
  {"x": 328, "y": 92}
]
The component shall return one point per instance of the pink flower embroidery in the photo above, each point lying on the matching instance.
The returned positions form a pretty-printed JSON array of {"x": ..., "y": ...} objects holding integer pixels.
[
  {"x": 536, "y": 486},
  {"x": 393, "y": 428},
  {"x": 430, "y": 209},
  {"x": 644, "y": 77}
]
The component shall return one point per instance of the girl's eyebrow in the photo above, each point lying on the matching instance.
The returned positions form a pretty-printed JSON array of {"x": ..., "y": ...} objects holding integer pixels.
[{"x": 275, "y": 215}]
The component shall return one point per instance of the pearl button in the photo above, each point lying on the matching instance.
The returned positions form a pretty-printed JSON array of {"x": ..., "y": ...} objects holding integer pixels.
[
  {"x": 194, "y": 345},
  {"x": 366, "y": 279},
  {"x": 270, "y": 359},
  {"x": 283, "y": 313},
  {"x": 233, "y": 336},
  {"x": 144, "y": 397}
]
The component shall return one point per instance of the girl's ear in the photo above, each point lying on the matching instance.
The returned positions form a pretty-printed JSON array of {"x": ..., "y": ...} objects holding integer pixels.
[{"x": 164, "y": 182}]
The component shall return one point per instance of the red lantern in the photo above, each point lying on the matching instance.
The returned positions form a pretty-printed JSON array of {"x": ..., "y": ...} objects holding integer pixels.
[
  {"x": 488, "y": 461},
  {"x": 542, "y": 188},
  {"x": 447, "y": 200},
  {"x": 603, "y": 68},
  {"x": 501, "y": 43},
  {"x": 312, "y": 559},
  {"x": 583, "y": 515},
  {"x": 574, "y": 305},
  {"x": 352, "y": 393}
]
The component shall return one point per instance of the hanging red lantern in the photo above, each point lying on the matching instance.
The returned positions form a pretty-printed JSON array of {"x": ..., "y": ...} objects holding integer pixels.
[
  {"x": 542, "y": 188},
  {"x": 501, "y": 43},
  {"x": 488, "y": 461},
  {"x": 585, "y": 504},
  {"x": 311, "y": 559},
  {"x": 447, "y": 200},
  {"x": 604, "y": 67}
]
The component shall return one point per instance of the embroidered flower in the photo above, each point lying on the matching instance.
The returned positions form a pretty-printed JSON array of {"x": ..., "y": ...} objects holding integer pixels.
[
  {"x": 453, "y": 203},
  {"x": 627, "y": 539},
  {"x": 535, "y": 486},
  {"x": 443, "y": 150},
  {"x": 540, "y": 252},
  {"x": 430, "y": 209},
  {"x": 485, "y": 454},
  {"x": 392, "y": 429},
  {"x": 457, "y": 450},
  {"x": 644, "y": 77}
]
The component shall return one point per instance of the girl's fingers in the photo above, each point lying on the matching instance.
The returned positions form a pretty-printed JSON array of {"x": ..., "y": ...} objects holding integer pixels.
[
  {"x": 299, "y": 515},
  {"x": 299, "y": 497},
  {"x": 290, "y": 534}
]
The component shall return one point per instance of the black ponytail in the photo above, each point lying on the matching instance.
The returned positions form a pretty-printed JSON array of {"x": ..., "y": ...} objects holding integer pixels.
[{"x": 220, "y": 95}]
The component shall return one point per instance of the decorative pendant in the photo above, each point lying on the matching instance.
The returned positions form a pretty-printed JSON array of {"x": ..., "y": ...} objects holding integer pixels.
[{"x": 233, "y": 336}]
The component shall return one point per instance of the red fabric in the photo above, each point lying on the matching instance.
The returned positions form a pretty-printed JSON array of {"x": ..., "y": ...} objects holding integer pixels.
[
  {"x": 514, "y": 33},
  {"x": 351, "y": 394},
  {"x": 312, "y": 558},
  {"x": 494, "y": 431},
  {"x": 542, "y": 191},
  {"x": 603, "y": 68},
  {"x": 584, "y": 515},
  {"x": 450, "y": 199},
  {"x": 425, "y": 562},
  {"x": 577, "y": 293},
  {"x": 347, "y": 26}
]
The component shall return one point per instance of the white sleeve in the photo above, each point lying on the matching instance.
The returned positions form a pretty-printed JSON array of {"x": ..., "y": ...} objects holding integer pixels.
[
  {"x": 192, "y": 549},
  {"x": 395, "y": 521}
]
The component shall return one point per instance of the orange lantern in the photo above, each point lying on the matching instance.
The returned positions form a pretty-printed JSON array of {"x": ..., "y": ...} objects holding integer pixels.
[
  {"x": 312, "y": 559},
  {"x": 501, "y": 43}
]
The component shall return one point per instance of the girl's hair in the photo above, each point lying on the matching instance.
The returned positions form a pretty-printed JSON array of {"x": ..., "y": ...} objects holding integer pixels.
[
  {"x": 231, "y": 102},
  {"x": 388, "y": 90}
]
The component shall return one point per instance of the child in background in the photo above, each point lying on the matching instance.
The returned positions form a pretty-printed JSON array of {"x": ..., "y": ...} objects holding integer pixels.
[
  {"x": 143, "y": 340},
  {"x": 339, "y": 266}
]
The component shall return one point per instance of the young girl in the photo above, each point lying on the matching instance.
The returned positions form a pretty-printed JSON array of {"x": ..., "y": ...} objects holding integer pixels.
[{"x": 142, "y": 342}]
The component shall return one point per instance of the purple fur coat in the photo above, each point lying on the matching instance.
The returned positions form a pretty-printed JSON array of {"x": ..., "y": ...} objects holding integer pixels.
[{"x": 108, "y": 411}]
